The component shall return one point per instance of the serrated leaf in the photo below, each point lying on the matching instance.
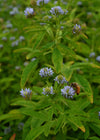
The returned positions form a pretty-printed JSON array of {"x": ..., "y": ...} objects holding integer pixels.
[
  {"x": 27, "y": 71},
  {"x": 57, "y": 59}
]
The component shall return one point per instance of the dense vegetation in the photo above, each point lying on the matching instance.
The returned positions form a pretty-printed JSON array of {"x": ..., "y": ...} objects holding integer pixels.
[{"x": 50, "y": 70}]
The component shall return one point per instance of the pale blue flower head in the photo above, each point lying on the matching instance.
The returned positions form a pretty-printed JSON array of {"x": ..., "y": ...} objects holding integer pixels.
[
  {"x": 15, "y": 43},
  {"x": 98, "y": 58},
  {"x": 28, "y": 11},
  {"x": 40, "y": 2},
  {"x": 21, "y": 38},
  {"x": 60, "y": 79},
  {"x": 9, "y": 26},
  {"x": 46, "y": 72},
  {"x": 48, "y": 90},
  {"x": 1, "y": 46},
  {"x": 92, "y": 54},
  {"x": 57, "y": 10},
  {"x": 26, "y": 92},
  {"x": 26, "y": 63},
  {"x": 12, "y": 38},
  {"x": 33, "y": 59},
  {"x": 68, "y": 92},
  {"x": 76, "y": 28},
  {"x": 20, "y": 126},
  {"x": 7, "y": 130},
  {"x": 4, "y": 38}
]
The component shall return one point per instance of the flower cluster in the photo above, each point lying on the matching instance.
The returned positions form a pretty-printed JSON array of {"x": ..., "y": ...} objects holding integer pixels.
[
  {"x": 26, "y": 92},
  {"x": 68, "y": 92},
  {"x": 41, "y": 2},
  {"x": 29, "y": 11},
  {"x": 60, "y": 79},
  {"x": 57, "y": 10},
  {"x": 44, "y": 72},
  {"x": 76, "y": 28},
  {"x": 48, "y": 90}
]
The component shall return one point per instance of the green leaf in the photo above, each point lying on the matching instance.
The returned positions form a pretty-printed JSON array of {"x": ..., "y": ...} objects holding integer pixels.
[
  {"x": 23, "y": 103},
  {"x": 85, "y": 85},
  {"x": 33, "y": 54},
  {"x": 67, "y": 72},
  {"x": 12, "y": 115},
  {"x": 67, "y": 50},
  {"x": 76, "y": 121},
  {"x": 48, "y": 45},
  {"x": 39, "y": 40},
  {"x": 34, "y": 133},
  {"x": 59, "y": 123},
  {"x": 57, "y": 59},
  {"x": 27, "y": 71},
  {"x": 23, "y": 50},
  {"x": 47, "y": 127},
  {"x": 95, "y": 128},
  {"x": 94, "y": 138}
]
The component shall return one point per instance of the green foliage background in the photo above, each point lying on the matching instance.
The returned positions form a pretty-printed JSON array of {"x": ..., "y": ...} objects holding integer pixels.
[{"x": 52, "y": 117}]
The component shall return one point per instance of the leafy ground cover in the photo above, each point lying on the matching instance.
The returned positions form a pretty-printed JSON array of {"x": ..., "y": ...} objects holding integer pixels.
[{"x": 49, "y": 70}]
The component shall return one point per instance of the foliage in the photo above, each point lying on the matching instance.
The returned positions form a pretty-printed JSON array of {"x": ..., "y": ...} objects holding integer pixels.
[{"x": 54, "y": 42}]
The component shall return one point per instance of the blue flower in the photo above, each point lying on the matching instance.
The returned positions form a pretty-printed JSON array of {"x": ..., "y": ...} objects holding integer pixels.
[
  {"x": 7, "y": 130},
  {"x": 40, "y": 2},
  {"x": 4, "y": 38},
  {"x": 48, "y": 90},
  {"x": 21, "y": 38},
  {"x": 29, "y": 11},
  {"x": 98, "y": 58},
  {"x": 9, "y": 26},
  {"x": 33, "y": 59},
  {"x": 92, "y": 54},
  {"x": 12, "y": 38},
  {"x": 20, "y": 126},
  {"x": 76, "y": 28},
  {"x": 15, "y": 43},
  {"x": 56, "y": 10},
  {"x": 26, "y": 92},
  {"x": 44, "y": 72},
  {"x": 60, "y": 79},
  {"x": 68, "y": 92},
  {"x": 1, "y": 46}
]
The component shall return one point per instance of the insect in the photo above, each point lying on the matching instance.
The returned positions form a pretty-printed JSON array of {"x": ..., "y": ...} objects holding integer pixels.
[{"x": 76, "y": 86}]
